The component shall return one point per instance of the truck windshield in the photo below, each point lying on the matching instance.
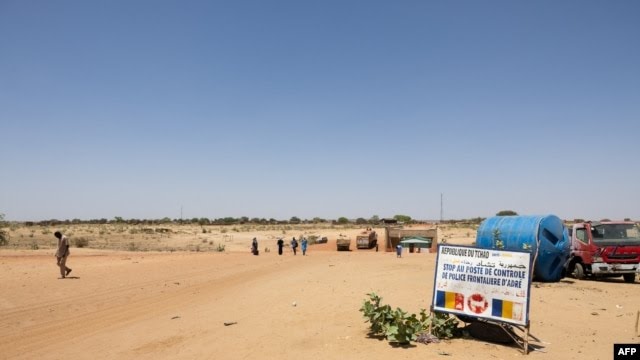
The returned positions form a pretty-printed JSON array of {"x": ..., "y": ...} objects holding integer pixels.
[{"x": 622, "y": 233}]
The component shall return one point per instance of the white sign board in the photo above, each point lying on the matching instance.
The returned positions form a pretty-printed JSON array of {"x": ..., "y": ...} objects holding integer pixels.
[{"x": 483, "y": 283}]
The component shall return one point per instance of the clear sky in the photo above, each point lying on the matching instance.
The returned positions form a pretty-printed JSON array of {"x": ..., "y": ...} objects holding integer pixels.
[{"x": 319, "y": 108}]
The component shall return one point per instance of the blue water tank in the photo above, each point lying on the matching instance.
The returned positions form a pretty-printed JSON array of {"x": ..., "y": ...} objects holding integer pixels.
[{"x": 545, "y": 234}]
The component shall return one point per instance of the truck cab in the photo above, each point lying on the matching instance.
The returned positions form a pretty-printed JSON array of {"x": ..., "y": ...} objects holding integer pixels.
[{"x": 605, "y": 249}]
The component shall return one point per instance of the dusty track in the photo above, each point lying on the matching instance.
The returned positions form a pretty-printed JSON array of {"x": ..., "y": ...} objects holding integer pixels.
[{"x": 173, "y": 305}]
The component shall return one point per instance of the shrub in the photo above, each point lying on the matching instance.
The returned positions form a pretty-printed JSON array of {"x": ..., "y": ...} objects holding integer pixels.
[
  {"x": 444, "y": 326},
  {"x": 400, "y": 327},
  {"x": 220, "y": 248},
  {"x": 396, "y": 325},
  {"x": 81, "y": 242}
]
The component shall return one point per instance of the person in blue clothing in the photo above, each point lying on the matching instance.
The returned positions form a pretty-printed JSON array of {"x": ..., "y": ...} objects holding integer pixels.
[
  {"x": 399, "y": 251},
  {"x": 303, "y": 246}
]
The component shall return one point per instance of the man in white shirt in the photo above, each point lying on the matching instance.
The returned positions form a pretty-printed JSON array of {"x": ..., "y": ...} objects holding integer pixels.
[{"x": 62, "y": 253}]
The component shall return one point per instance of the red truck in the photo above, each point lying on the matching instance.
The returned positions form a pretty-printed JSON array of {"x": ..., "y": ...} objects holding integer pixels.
[{"x": 605, "y": 249}]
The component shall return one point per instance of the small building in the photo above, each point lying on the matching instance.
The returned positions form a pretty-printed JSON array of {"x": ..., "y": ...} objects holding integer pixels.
[{"x": 396, "y": 234}]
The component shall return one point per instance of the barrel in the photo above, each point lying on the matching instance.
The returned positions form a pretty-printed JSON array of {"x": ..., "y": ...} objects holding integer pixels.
[{"x": 544, "y": 234}]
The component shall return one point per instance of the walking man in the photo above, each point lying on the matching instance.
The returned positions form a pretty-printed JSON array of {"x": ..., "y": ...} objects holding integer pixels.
[
  {"x": 62, "y": 253},
  {"x": 294, "y": 245},
  {"x": 303, "y": 246}
]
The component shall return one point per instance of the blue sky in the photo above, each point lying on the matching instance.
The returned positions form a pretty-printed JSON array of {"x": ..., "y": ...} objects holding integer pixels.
[{"x": 325, "y": 108}]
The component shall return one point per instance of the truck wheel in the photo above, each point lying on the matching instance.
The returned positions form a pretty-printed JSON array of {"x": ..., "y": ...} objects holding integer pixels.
[
  {"x": 578, "y": 271},
  {"x": 630, "y": 278}
]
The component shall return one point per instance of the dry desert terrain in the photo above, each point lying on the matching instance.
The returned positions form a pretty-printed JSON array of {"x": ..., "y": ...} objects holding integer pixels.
[{"x": 168, "y": 296}]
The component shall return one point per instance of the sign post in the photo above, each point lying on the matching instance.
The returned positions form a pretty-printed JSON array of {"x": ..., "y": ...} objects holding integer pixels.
[{"x": 489, "y": 284}]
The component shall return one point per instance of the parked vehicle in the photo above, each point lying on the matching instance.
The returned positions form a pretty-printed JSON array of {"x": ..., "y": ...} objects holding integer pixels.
[
  {"x": 605, "y": 249},
  {"x": 367, "y": 239},
  {"x": 343, "y": 243},
  {"x": 321, "y": 239}
]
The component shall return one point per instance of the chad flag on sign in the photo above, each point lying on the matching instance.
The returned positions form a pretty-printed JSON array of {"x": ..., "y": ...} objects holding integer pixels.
[
  {"x": 450, "y": 300},
  {"x": 506, "y": 309}
]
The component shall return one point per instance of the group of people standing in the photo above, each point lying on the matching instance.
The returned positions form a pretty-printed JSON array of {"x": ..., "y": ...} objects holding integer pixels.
[
  {"x": 62, "y": 252},
  {"x": 294, "y": 246}
]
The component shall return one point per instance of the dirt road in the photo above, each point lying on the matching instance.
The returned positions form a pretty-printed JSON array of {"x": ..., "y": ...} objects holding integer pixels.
[{"x": 127, "y": 305}]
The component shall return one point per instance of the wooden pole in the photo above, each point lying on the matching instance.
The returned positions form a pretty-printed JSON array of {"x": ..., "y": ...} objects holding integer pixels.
[{"x": 637, "y": 318}]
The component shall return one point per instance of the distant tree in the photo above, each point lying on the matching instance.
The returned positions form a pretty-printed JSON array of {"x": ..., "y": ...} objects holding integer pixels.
[
  {"x": 4, "y": 237},
  {"x": 578, "y": 220},
  {"x": 204, "y": 221},
  {"x": 255, "y": 220},
  {"x": 273, "y": 221},
  {"x": 627, "y": 219},
  {"x": 506, "y": 213},
  {"x": 343, "y": 220},
  {"x": 243, "y": 220},
  {"x": 165, "y": 220},
  {"x": 118, "y": 219},
  {"x": 294, "y": 220},
  {"x": 227, "y": 220},
  {"x": 403, "y": 218},
  {"x": 318, "y": 220},
  {"x": 605, "y": 219},
  {"x": 361, "y": 221},
  {"x": 375, "y": 219}
]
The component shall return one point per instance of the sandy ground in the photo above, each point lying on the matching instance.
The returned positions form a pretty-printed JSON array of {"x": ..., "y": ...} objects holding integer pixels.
[{"x": 173, "y": 305}]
